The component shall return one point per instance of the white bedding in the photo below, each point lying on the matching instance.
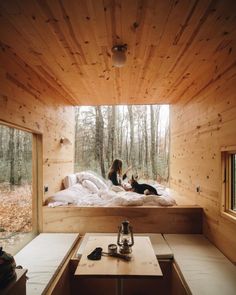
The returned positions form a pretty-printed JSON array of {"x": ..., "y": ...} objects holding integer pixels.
[{"x": 84, "y": 193}]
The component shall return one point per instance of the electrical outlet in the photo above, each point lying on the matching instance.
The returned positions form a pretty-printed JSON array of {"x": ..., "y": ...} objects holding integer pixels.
[{"x": 46, "y": 188}]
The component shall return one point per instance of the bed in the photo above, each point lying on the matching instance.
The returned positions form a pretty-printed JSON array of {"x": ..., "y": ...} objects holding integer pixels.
[
  {"x": 87, "y": 189},
  {"x": 99, "y": 207}
]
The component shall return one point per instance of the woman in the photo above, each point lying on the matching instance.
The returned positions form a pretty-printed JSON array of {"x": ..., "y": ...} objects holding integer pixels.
[{"x": 115, "y": 173}]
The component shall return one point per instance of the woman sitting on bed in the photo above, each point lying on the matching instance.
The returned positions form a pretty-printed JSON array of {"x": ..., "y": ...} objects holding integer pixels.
[{"x": 115, "y": 173}]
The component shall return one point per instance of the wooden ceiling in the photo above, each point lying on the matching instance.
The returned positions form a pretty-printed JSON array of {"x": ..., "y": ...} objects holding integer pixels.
[{"x": 175, "y": 48}]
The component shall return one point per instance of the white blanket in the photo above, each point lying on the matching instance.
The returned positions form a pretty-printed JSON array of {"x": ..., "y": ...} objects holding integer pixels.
[{"x": 81, "y": 194}]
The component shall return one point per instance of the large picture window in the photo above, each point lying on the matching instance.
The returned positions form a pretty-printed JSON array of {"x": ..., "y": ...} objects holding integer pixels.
[
  {"x": 229, "y": 182},
  {"x": 136, "y": 134}
]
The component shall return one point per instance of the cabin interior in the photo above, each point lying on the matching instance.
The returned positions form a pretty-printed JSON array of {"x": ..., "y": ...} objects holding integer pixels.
[{"x": 56, "y": 55}]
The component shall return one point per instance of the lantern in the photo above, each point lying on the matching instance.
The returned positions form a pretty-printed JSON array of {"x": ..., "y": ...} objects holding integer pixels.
[{"x": 125, "y": 238}]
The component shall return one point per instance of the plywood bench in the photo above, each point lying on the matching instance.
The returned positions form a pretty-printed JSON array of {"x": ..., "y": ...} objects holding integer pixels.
[
  {"x": 161, "y": 249},
  {"x": 43, "y": 257},
  {"x": 204, "y": 269}
]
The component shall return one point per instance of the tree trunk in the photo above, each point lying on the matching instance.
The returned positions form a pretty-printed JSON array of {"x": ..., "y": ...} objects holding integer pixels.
[
  {"x": 120, "y": 133},
  {"x": 19, "y": 158},
  {"x": 140, "y": 150},
  {"x": 27, "y": 156},
  {"x": 109, "y": 136},
  {"x": 1, "y": 141},
  {"x": 77, "y": 154},
  {"x": 99, "y": 140},
  {"x": 153, "y": 144},
  {"x": 11, "y": 156},
  {"x": 113, "y": 131},
  {"x": 166, "y": 151},
  {"x": 146, "y": 143},
  {"x": 131, "y": 122},
  {"x": 126, "y": 147}
]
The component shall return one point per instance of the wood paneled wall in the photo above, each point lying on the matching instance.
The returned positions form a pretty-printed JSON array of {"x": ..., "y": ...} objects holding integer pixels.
[
  {"x": 199, "y": 128},
  {"x": 28, "y": 101}
]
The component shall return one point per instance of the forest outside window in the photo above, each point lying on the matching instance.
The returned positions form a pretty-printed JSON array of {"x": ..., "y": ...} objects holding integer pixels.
[
  {"x": 16, "y": 185},
  {"x": 229, "y": 191},
  {"x": 136, "y": 134}
]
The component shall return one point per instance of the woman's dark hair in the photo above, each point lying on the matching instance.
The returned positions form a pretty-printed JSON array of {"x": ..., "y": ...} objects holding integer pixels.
[{"x": 116, "y": 167}]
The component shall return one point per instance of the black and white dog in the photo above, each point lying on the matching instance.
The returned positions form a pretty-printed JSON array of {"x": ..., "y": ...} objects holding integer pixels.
[{"x": 142, "y": 188}]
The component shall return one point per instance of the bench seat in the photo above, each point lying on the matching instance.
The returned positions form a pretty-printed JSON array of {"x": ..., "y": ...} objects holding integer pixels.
[
  {"x": 205, "y": 270},
  {"x": 161, "y": 249},
  {"x": 43, "y": 257}
]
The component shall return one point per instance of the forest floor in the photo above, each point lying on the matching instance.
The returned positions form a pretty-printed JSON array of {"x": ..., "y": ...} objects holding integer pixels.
[{"x": 15, "y": 213}]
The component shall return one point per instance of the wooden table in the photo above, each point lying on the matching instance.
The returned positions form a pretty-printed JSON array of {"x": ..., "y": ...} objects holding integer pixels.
[{"x": 143, "y": 263}]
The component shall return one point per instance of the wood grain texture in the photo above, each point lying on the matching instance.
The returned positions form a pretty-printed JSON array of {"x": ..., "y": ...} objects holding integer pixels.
[
  {"x": 178, "y": 285},
  {"x": 29, "y": 102},
  {"x": 186, "y": 219},
  {"x": 175, "y": 48},
  {"x": 160, "y": 247},
  {"x": 143, "y": 261},
  {"x": 100, "y": 286},
  {"x": 200, "y": 130}
]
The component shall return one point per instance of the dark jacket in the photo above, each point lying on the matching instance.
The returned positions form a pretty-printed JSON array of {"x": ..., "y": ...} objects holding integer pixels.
[{"x": 114, "y": 178}]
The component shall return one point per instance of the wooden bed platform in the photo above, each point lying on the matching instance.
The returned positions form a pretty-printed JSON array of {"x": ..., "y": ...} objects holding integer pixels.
[{"x": 176, "y": 219}]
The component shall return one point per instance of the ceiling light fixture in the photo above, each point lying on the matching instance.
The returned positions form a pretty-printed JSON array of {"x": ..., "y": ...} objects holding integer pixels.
[{"x": 119, "y": 57}]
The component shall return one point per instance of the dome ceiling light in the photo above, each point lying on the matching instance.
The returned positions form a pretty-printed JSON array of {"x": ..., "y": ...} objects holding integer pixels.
[{"x": 119, "y": 57}]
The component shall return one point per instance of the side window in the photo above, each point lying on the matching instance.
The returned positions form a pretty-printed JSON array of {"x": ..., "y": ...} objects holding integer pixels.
[
  {"x": 229, "y": 182},
  {"x": 17, "y": 221}
]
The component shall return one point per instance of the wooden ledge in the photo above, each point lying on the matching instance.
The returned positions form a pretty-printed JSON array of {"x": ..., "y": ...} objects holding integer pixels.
[{"x": 177, "y": 219}]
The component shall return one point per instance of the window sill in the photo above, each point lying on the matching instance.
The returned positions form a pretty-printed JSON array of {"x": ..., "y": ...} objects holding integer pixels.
[{"x": 229, "y": 216}]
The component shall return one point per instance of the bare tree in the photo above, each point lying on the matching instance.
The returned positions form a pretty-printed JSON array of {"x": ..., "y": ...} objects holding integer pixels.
[
  {"x": 154, "y": 138},
  {"x": 110, "y": 134},
  {"x": 77, "y": 154},
  {"x": 99, "y": 139},
  {"x": 19, "y": 156},
  {"x": 131, "y": 123},
  {"x": 1, "y": 142},
  {"x": 11, "y": 156},
  {"x": 145, "y": 141},
  {"x": 120, "y": 132}
]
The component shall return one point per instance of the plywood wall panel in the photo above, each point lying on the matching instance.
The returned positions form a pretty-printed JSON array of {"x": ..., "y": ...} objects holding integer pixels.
[
  {"x": 199, "y": 129},
  {"x": 27, "y": 100},
  {"x": 177, "y": 219}
]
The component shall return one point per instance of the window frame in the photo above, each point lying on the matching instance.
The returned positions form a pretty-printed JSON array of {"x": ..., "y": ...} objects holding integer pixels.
[
  {"x": 37, "y": 184},
  {"x": 228, "y": 184}
]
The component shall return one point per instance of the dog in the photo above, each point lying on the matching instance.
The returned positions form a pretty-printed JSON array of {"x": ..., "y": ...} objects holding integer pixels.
[{"x": 143, "y": 188}]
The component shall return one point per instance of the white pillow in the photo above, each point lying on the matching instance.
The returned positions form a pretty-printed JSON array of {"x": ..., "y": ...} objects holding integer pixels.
[
  {"x": 90, "y": 186},
  {"x": 69, "y": 195},
  {"x": 69, "y": 180},
  {"x": 81, "y": 176},
  {"x": 65, "y": 196}
]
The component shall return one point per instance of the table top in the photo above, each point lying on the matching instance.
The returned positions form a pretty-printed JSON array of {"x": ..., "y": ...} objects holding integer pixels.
[
  {"x": 160, "y": 246},
  {"x": 143, "y": 262}
]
